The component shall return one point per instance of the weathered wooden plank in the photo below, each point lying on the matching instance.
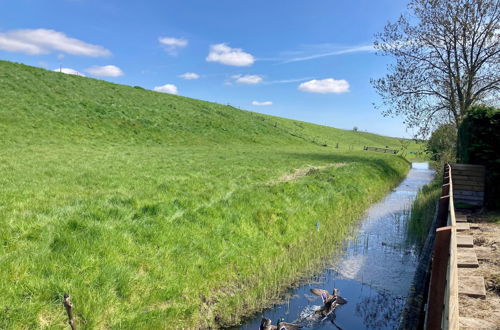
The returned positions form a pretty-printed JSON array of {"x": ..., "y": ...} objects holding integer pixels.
[
  {"x": 445, "y": 190},
  {"x": 473, "y": 203},
  {"x": 466, "y": 241},
  {"x": 469, "y": 202},
  {"x": 468, "y": 194},
  {"x": 469, "y": 169},
  {"x": 457, "y": 192},
  {"x": 466, "y": 258},
  {"x": 469, "y": 198},
  {"x": 474, "y": 189},
  {"x": 472, "y": 286},
  {"x": 469, "y": 187},
  {"x": 463, "y": 226},
  {"x": 460, "y": 178},
  {"x": 437, "y": 286},
  {"x": 442, "y": 214},
  {"x": 469, "y": 173},
  {"x": 460, "y": 202},
  {"x": 468, "y": 182},
  {"x": 474, "y": 225},
  {"x": 465, "y": 166}
]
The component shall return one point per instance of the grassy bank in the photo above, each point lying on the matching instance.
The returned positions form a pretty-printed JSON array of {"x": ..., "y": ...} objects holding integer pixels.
[
  {"x": 155, "y": 210},
  {"x": 423, "y": 211}
]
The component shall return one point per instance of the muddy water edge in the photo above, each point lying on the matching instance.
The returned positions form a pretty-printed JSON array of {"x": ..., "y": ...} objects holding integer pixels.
[{"x": 373, "y": 271}]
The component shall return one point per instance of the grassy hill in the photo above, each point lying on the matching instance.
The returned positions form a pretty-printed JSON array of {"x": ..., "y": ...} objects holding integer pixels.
[
  {"x": 155, "y": 210},
  {"x": 43, "y": 105}
]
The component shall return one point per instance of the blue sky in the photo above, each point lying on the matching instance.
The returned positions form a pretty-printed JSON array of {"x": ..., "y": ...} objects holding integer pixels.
[{"x": 306, "y": 60}]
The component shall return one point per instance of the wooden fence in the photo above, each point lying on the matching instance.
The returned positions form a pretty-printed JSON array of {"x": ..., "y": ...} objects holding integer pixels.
[
  {"x": 442, "y": 299},
  {"x": 384, "y": 150},
  {"x": 469, "y": 182}
]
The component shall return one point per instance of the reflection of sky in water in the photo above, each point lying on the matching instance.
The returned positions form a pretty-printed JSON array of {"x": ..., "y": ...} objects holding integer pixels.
[{"x": 373, "y": 272}]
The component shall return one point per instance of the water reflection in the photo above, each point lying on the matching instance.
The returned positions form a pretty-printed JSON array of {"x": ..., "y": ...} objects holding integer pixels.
[{"x": 373, "y": 272}]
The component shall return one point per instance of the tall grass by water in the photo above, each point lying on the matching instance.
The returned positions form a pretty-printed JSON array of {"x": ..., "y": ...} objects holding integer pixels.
[
  {"x": 156, "y": 210},
  {"x": 423, "y": 211}
]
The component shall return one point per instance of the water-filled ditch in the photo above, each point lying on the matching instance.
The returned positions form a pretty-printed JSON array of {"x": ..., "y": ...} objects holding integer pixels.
[{"x": 373, "y": 271}]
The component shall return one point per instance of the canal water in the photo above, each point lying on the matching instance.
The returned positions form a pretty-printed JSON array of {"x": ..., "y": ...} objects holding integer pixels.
[{"x": 374, "y": 270}]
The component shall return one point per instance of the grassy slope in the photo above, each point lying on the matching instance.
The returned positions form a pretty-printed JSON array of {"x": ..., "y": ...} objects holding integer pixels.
[{"x": 154, "y": 209}]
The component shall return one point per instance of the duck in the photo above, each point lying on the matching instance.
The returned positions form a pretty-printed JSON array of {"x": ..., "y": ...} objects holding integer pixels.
[
  {"x": 266, "y": 324},
  {"x": 330, "y": 301}
]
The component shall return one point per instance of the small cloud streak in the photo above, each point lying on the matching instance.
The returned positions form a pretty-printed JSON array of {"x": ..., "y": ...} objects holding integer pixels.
[
  {"x": 167, "y": 88},
  {"x": 325, "y": 86},
  {"x": 249, "y": 79},
  {"x": 262, "y": 104},
  {"x": 44, "y": 41},
  {"x": 222, "y": 53},
  {"x": 355, "y": 49},
  {"x": 105, "y": 71},
  {"x": 172, "y": 45},
  {"x": 190, "y": 76},
  {"x": 286, "y": 81}
]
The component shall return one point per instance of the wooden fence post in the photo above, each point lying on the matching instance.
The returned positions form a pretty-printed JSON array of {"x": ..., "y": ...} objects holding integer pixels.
[
  {"x": 69, "y": 309},
  {"x": 444, "y": 204},
  {"x": 445, "y": 189},
  {"x": 437, "y": 286}
]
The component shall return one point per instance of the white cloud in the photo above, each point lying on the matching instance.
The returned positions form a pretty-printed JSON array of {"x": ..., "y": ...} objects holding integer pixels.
[
  {"x": 286, "y": 81},
  {"x": 249, "y": 79},
  {"x": 69, "y": 71},
  {"x": 173, "y": 42},
  {"x": 260, "y": 104},
  {"x": 190, "y": 76},
  {"x": 105, "y": 71},
  {"x": 224, "y": 54},
  {"x": 325, "y": 86},
  {"x": 43, "y": 41},
  {"x": 168, "y": 88},
  {"x": 172, "y": 45}
]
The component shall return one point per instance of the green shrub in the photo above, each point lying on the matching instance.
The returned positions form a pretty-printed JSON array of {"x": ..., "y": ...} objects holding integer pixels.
[
  {"x": 442, "y": 144},
  {"x": 479, "y": 138}
]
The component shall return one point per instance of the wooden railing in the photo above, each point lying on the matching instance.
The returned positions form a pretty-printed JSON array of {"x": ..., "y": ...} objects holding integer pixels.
[
  {"x": 384, "y": 150},
  {"x": 442, "y": 298}
]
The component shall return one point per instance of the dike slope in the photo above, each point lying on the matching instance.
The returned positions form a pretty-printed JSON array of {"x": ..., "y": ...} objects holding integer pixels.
[{"x": 155, "y": 210}]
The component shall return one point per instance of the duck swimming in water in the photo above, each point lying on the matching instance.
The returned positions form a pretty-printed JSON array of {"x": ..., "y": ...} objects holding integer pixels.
[
  {"x": 266, "y": 324},
  {"x": 330, "y": 301}
]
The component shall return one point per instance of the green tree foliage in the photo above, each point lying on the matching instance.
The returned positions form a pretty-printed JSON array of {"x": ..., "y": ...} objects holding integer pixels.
[
  {"x": 447, "y": 55},
  {"x": 479, "y": 136},
  {"x": 442, "y": 143}
]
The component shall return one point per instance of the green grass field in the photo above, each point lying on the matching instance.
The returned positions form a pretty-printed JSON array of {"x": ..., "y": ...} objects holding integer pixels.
[{"x": 160, "y": 211}]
